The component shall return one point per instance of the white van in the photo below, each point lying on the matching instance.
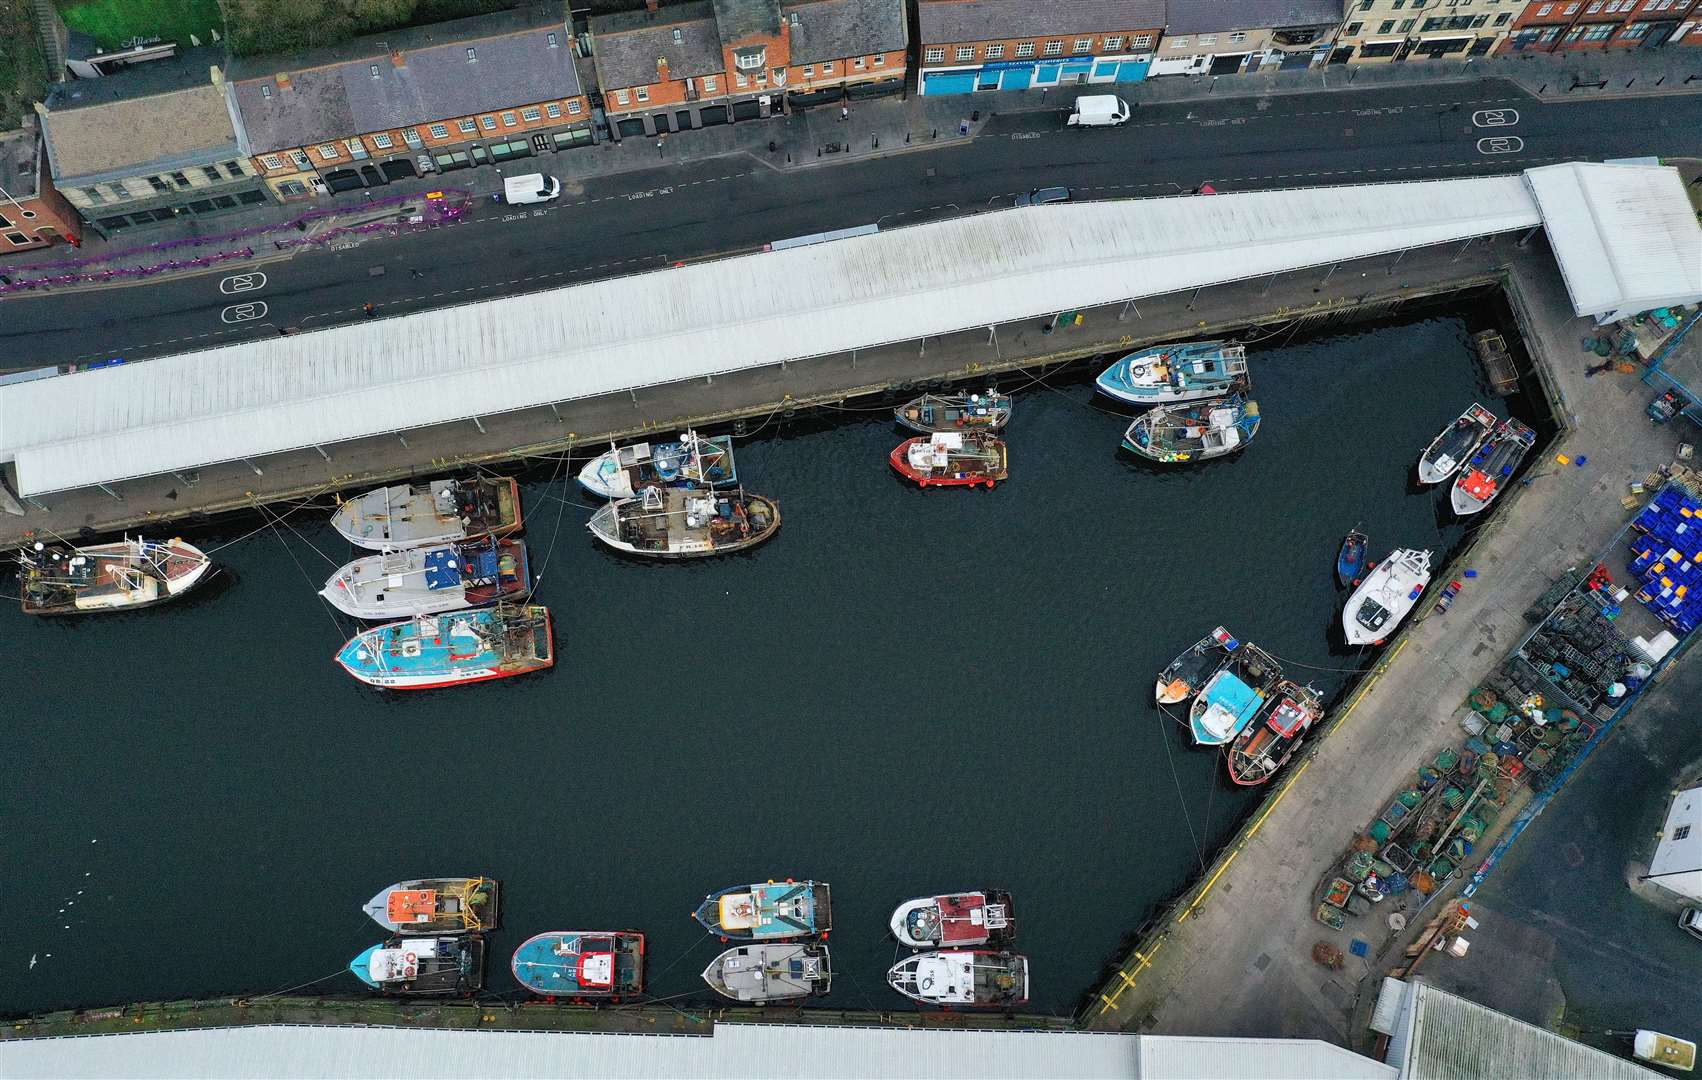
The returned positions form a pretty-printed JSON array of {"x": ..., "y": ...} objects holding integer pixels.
[
  {"x": 1099, "y": 110},
  {"x": 531, "y": 188}
]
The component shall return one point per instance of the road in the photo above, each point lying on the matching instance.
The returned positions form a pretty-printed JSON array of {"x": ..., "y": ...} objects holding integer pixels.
[{"x": 638, "y": 221}]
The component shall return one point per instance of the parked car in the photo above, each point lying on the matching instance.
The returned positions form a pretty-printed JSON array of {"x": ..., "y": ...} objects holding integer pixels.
[
  {"x": 530, "y": 188},
  {"x": 1690, "y": 920},
  {"x": 1040, "y": 196}
]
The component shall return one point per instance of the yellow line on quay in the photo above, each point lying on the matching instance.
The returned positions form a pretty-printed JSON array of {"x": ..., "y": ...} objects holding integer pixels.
[{"x": 1288, "y": 785}]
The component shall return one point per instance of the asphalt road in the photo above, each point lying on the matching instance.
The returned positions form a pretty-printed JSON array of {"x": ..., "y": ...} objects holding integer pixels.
[{"x": 644, "y": 220}]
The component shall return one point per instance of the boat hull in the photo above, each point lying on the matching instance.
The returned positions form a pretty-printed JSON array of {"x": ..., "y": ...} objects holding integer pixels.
[
  {"x": 1184, "y": 676},
  {"x": 770, "y": 911},
  {"x": 423, "y": 966},
  {"x": 478, "y": 904},
  {"x": 1385, "y": 597},
  {"x": 408, "y": 515},
  {"x": 358, "y": 588},
  {"x": 954, "y": 920},
  {"x": 355, "y": 657},
  {"x": 608, "y": 477},
  {"x": 935, "y": 413},
  {"x": 1455, "y": 445},
  {"x": 970, "y": 472},
  {"x": 1491, "y": 468},
  {"x": 1213, "y": 428},
  {"x": 1211, "y": 369},
  {"x": 185, "y": 566},
  {"x": 963, "y": 979},
  {"x": 1350, "y": 560},
  {"x": 757, "y": 974},
  {"x": 607, "y": 526},
  {"x": 581, "y": 965}
]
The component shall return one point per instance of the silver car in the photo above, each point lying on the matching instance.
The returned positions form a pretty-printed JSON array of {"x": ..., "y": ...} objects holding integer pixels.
[{"x": 1040, "y": 196}]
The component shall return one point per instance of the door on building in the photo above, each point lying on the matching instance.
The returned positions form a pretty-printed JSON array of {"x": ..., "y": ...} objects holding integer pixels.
[
  {"x": 682, "y": 120},
  {"x": 370, "y": 175},
  {"x": 399, "y": 169},
  {"x": 712, "y": 115},
  {"x": 1657, "y": 35},
  {"x": 343, "y": 180},
  {"x": 661, "y": 119},
  {"x": 987, "y": 80},
  {"x": 630, "y": 127},
  {"x": 1406, "y": 47},
  {"x": 1342, "y": 55},
  {"x": 540, "y": 143},
  {"x": 1227, "y": 65},
  {"x": 748, "y": 109}
]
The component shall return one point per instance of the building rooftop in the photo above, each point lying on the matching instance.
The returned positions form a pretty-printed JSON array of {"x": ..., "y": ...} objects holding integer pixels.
[
  {"x": 740, "y": 19},
  {"x": 331, "y": 93},
  {"x": 628, "y": 45},
  {"x": 1212, "y": 16},
  {"x": 986, "y": 20},
  {"x": 831, "y": 29},
  {"x": 20, "y": 154},
  {"x": 189, "y": 68}
]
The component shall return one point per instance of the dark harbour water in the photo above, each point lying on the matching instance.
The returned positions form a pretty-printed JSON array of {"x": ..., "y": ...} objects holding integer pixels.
[{"x": 906, "y": 692}]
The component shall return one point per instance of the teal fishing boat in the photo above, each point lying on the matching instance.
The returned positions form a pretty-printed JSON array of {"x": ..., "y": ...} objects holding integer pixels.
[
  {"x": 1175, "y": 373},
  {"x": 771, "y": 911},
  {"x": 1233, "y": 696},
  {"x": 581, "y": 964}
]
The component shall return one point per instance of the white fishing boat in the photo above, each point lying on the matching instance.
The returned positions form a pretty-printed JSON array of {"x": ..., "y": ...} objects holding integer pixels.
[
  {"x": 440, "y": 512},
  {"x": 61, "y": 579},
  {"x": 693, "y": 461},
  {"x": 1387, "y": 594},
  {"x": 774, "y": 971},
  {"x": 674, "y": 523},
  {"x": 963, "y": 978},
  {"x": 429, "y": 580},
  {"x": 1455, "y": 444},
  {"x": 955, "y": 920}
]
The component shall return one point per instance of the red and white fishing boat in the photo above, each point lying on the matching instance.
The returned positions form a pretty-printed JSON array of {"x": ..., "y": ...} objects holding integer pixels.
[
  {"x": 1273, "y": 737},
  {"x": 953, "y": 459},
  {"x": 60, "y": 579},
  {"x": 954, "y": 921}
]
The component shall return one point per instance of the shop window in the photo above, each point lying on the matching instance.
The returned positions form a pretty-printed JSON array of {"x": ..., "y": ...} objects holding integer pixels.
[
  {"x": 291, "y": 188},
  {"x": 201, "y": 206},
  {"x": 224, "y": 202},
  {"x": 113, "y": 224}
]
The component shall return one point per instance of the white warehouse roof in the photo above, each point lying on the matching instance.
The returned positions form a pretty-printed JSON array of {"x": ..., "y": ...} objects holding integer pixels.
[
  {"x": 733, "y": 1052},
  {"x": 1625, "y": 236},
  {"x": 371, "y": 378}
]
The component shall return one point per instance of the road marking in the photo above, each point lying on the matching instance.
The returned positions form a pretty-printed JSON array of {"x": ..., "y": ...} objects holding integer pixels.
[
  {"x": 241, "y": 283},
  {"x": 1484, "y": 118},
  {"x": 244, "y": 312},
  {"x": 1501, "y": 144}
]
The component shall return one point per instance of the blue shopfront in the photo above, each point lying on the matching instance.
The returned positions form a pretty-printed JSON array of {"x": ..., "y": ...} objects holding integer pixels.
[{"x": 1031, "y": 74}]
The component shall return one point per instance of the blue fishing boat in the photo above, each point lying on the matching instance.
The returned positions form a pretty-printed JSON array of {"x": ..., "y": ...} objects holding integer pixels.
[
  {"x": 771, "y": 911},
  {"x": 455, "y": 647},
  {"x": 1232, "y": 697},
  {"x": 576, "y": 964},
  {"x": 1175, "y": 373},
  {"x": 423, "y": 965},
  {"x": 1350, "y": 560}
]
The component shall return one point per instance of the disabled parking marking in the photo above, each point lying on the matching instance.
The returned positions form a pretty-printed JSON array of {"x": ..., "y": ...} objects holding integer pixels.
[
  {"x": 1485, "y": 118},
  {"x": 1501, "y": 144},
  {"x": 237, "y": 313}
]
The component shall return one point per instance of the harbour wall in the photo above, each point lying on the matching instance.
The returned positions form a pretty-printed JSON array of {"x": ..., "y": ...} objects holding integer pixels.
[{"x": 1353, "y": 290}]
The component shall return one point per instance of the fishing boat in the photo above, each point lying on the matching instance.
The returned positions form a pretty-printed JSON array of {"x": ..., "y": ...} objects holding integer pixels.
[
  {"x": 1455, "y": 444},
  {"x": 1189, "y": 671},
  {"x": 1385, "y": 597},
  {"x": 423, "y": 965},
  {"x": 1231, "y": 698},
  {"x": 1266, "y": 744},
  {"x": 63, "y": 579},
  {"x": 452, "y": 648},
  {"x": 674, "y": 523},
  {"x": 963, "y": 978},
  {"x": 576, "y": 964},
  {"x": 1173, "y": 434},
  {"x": 1491, "y": 467},
  {"x": 956, "y": 920},
  {"x": 1176, "y": 373},
  {"x": 436, "y": 905},
  {"x": 951, "y": 459},
  {"x": 439, "y": 512},
  {"x": 771, "y": 911},
  {"x": 427, "y": 580},
  {"x": 930, "y": 413},
  {"x": 776, "y": 971},
  {"x": 1350, "y": 560},
  {"x": 693, "y": 461}
]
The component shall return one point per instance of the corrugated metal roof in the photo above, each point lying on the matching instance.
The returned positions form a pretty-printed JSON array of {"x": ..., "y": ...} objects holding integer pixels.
[
  {"x": 1183, "y": 1057},
  {"x": 734, "y": 1052},
  {"x": 369, "y": 378},
  {"x": 1625, "y": 236},
  {"x": 1445, "y": 1037}
]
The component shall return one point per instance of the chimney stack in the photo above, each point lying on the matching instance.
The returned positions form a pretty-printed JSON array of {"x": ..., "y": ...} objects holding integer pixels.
[
  {"x": 661, "y": 69},
  {"x": 396, "y": 58},
  {"x": 651, "y": 5}
]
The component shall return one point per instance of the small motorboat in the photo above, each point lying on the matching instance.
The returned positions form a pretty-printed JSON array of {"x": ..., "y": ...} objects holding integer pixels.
[
  {"x": 1486, "y": 475},
  {"x": 439, "y": 512},
  {"x": 956, "y": 920},
  {"x": 1668, "y": 1051},
  {"x": 677, "y": 523},
  {"x": 1174, "y": 434},
  {"x": 1350, "y": 560},
  {"x": 1266, "y": 744},
  {"x": 963, "y": 978},
  {"x": 771, "y": 911},
  {"x": 63, "y": 579},
  {"x": 951, "y": 459},
  {"x": 930, "y": 413},
  {"x": 1188, "y": 672},
  {"x": 693, "y": 461},
  {"x": 1176, "y": 373},
  {"x": 436, "y": 905},
  {"x": 1231, "y": 698},
  {"x": 423, "y": 965},
  {"x": 775, "y": 971},
  {"x": 428, "y": 580},
  {"x": 1384, "y": 598},
  {"x": 581, "y": 964},
  {"x": 1443, "y": 457},
  {"x": 456, "y": 647}
]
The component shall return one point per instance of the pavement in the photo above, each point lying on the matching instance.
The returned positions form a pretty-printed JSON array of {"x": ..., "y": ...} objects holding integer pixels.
[{"x": 1236, "y": 959}]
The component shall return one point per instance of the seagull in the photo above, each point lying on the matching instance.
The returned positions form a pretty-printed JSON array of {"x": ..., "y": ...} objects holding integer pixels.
[{"x": 32, "y": 961}]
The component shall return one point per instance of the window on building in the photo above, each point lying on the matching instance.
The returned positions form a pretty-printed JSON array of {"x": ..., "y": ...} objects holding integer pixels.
[
  {"x": 643, "y": 95},
  {"x": 573, "y": 107},
  {"x": 1388, "y": 25},
  {"x": 1024, "y": 48},
  {"x": 621, "y": 98},
  {"x": 859, "y": 63},
  {"x": 552, "y": 39},
  {"x": 158, "y": 182},
  {"x": 1141, "y": 41},
  {"x": 1429, "y": 25},
  {"x": 933, "y": 56},
  {"x": 439, "y": 131},
  {"x": 827, "y": 68},
  {"x": 17, "y": 239},
  {"x": 1208, "y": 39},
  {"x": 1479, "y": 21},
  {"x": 994, "y": 52},
  {"x": 93, "y": 195},
  {"x": 809, "y": 71},
  {"x": 5, "y": 222},
  {"x": 270, "y": 161},
  {"x": 472, "y": 57},
  {"x": 467, "y": 127},
  {"x": 740, "y": 80},
  {"x": 119, "y": 190},
  {"x": 1398, "y": 5},
  {"x": 1545, "y": 9},
  {"x": 509, "y": 121},
  {"x": 1599, "y": 31},
  {"x": 1351, "y": 29},
  {"x": 291, "y": 188},
  {"x": 1053, "y": 48},
  {"x": 530, "y": 113},
  {"x": 1571, "y": 9},
  {"x": 709, "y": 84},
  {"x": 180, "y": 180},
  {"x": 1084, "y": 45},
  {"x": 211, "y": 172},
  {"x": 372, "y": 70},
  {"x": 1182, "y": 42},
  {"x": 383, "y": 141},
  {"x": 1634, "y": 31},
  {"x": 411, "y": 136},
  {"x": 1238, "y": 37},
  {"x": 1365, "y": 5},
  {"x": 1681, "y": 832},
  {"x": 489, "y": 122},
  {"x": 1406, "y": 25},
  {"x": 1113, "y": 42},
  {"x": 1593, "y": 8},
  {"x": 233, "y": 169},
  {"x": 552, "y": 110},
  {"x": 328, "y": 152},
  {"x": 964, "y": 53},
  {"x": 1501, "y": 19}
]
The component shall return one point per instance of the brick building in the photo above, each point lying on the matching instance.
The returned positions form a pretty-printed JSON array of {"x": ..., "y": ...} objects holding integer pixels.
[
  {"x": 32, "y": 212},
  {"x": 1605, "y": 24},
  {"x": 721, "y": 61},
  {"x": 428, "y": 99},
  {"x": 148, "y": 144},
  {"x": 971, "y": 45},
  {"x": 1211, "y": 37},
  {"x": 1385, "y": 31}
]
